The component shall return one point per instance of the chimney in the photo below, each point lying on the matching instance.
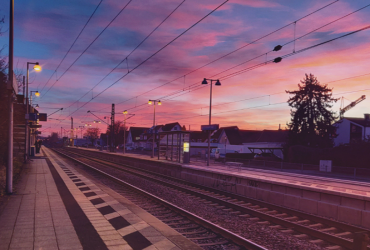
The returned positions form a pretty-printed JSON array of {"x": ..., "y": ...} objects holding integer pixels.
[{"x": 279, "y": 127}]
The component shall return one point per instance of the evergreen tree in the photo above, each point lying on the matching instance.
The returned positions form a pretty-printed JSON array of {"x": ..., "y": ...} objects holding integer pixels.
[{"x": 312, "y": 120}]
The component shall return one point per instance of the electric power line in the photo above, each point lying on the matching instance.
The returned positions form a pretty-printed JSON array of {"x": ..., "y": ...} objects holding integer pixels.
[
  {"x": 71, "y": 45},
  {"x": 83, "y": 52}
]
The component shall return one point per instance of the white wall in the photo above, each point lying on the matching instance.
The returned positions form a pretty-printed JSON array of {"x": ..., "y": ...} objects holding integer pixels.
[{"x": 343, "y": 131}]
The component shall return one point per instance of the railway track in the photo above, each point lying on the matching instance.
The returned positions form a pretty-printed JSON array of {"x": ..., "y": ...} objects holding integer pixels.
[
  {"x": 318, "y": 230},
  {"x": 204, "y": 233}
]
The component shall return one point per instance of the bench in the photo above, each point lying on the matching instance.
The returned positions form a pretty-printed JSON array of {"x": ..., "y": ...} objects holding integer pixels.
[{"x": 237, "y": 165}]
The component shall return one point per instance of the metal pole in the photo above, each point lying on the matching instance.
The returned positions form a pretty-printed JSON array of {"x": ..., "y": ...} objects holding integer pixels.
[
  {"x": 27, "y": 114},
  {"x": 209, "y": 132},
  {"x": 9, "y": 169},
  {"x": 124, "y": 135},
  {"x": 153, "y": 130}
]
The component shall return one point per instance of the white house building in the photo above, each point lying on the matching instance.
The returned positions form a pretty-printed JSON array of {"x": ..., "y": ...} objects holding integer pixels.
[{"x": 352, "y": 129}]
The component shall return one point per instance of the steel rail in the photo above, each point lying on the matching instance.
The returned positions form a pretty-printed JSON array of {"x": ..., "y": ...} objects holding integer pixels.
[
  {"x": 280, "y": 221},
  {"x": 318, "y": 219},
  {"x": 207, "y": 224}
]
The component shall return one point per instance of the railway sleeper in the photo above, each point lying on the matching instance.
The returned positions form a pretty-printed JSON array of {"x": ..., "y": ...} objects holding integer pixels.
[
  {"x": 315, "y": 225},
  {"x": 228, "y": 209},
  {"x": 272, "y": 212},
  {"x": 245, "y": 215},
  {"x": 329, "y": 230},
  {"x": 186, "y": 228},
  {"x": 303, "y": 221},
  {"x": 345, "y": 235},
  {"x": 334, "y": 248},
  {"x": 203, "y": 238},
  {"x": 317, "y": 242},
  {"x": 195, "y": 232},
  {"x": 213, "y": 243},
  {"x": 173, "y": 219},
  {"x": 291, "y": 218},
  {"x": 179, "y": 223},
  {"x": 262, "y": 209},
  {"x": 288, "y": 231},
  {"x": 281, "y": 215},
  {"x": 301, "y": 236}
]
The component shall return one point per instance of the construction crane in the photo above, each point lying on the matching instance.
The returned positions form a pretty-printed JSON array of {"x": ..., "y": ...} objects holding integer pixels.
[{"x": 351, "y": 105}]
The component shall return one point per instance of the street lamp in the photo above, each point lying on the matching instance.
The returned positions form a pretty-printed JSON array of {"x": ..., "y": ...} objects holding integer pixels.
[
  {"x": 159, "y": 103},
  {"x": 124, "y": 132},
  {"x": 81, "y": 128},
  {"x": 36, "y": 67},
  {"x": 37, "y": 93},
  {"x": 210, "y": 113}
]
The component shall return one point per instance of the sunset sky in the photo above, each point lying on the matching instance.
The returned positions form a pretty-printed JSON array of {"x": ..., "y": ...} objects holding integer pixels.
[{"x": 253, "y": 99}]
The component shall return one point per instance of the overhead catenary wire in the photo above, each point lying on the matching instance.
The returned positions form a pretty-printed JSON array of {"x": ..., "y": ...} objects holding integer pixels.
[
  {"x": 173, "y": 40},
  {"x": 290, "y": 54},
  {"x": 79, "y": 34},
  {"x": 263, "y": 54},
  {"x": 126, "y": 58},
  {"x": 83, "y": 52},
  {"x": 155, "y": 53},
  {"x": 219, "y": 58}
]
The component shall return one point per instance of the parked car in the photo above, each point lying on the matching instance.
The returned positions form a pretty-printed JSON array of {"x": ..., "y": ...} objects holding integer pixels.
[{"x": 129, "y": 148}]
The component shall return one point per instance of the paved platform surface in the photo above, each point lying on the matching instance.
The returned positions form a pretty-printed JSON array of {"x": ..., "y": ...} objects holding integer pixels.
[
  {"x": 358, "y": 189},
  {"x": 56, "y": 207}
]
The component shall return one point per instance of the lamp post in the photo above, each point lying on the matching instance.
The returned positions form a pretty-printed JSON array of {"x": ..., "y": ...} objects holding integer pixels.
[
  {"x": 37, "y": 93},
  {"x": 159, "y": 103},
  {"x": 210, "y": 113},
  {"x": 124, "y": 132},
  {"x": 37, "y": 67},
  {"x": 81, "y": 128}
]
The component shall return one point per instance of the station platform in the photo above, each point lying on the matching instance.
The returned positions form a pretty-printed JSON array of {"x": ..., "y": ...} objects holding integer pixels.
[
  {"x": 56, "y": 207},
  {"x": 330, "y": 185},
  {"x": 340, "y": 199}
]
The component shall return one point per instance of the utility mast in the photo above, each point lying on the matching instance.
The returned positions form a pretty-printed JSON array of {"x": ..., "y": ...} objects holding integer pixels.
[
  {"x": 351, "y": 105},
  {"x": 112, "y": 129}
]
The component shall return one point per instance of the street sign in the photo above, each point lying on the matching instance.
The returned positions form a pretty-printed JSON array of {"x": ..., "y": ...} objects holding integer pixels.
[
  {"x": 325, "y": 165},
  {"x": 210, "y": 127},
  {"x": 43, "y": 117},
  {"x": 32, "y": 117}
]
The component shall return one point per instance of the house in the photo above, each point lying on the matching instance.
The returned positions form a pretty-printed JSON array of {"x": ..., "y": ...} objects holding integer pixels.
[
  {"x": 135, "y": 137},
  {"x": 199, "y": 143},
  {"x": 242, "y": 140},
  {"x": 352, "y": 129},
  {"x": 157, "y": 129}
]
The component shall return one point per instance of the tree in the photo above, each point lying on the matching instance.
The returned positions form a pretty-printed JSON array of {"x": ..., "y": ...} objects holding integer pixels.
[
  {"x": 312, "y": 121},
  {"x": 119, "y": 129},
  {"x": 93, "y": 134}
]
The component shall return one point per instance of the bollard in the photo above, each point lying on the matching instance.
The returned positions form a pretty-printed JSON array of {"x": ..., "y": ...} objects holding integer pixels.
[{"x": 360, "y": 241}]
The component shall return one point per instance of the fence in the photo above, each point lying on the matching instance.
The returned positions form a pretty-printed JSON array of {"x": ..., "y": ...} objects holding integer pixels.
[{"x": 347, "y": 171}]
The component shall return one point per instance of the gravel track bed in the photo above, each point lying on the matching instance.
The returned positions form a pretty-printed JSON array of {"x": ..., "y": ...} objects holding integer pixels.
[{"x": 249, "y": 229}]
